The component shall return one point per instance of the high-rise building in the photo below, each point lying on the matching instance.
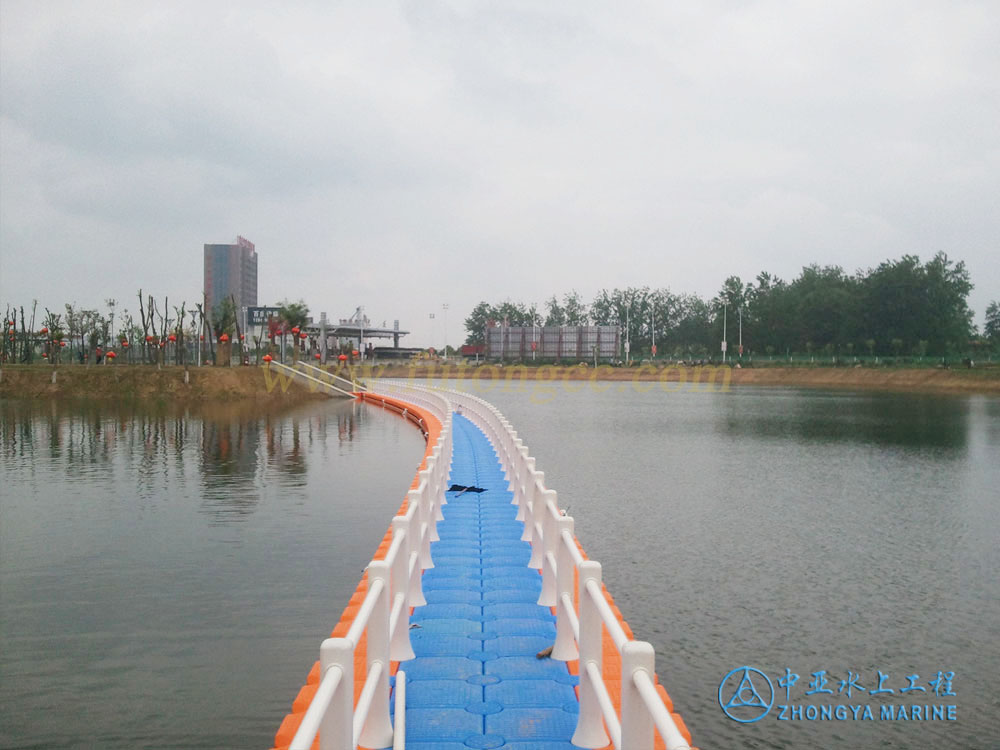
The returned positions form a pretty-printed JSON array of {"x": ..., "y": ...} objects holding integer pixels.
[{"x": 231, "y": 270}]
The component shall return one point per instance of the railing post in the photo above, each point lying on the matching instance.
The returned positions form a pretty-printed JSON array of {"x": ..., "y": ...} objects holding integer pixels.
[
  {"x": 422, "y": 530},
  {"x": 536, "y": 481},
  {"x": 589, "y": 724},
  {"x": 522, "y": 461},
  {"x": 336, "y": 730},
  {"x": 427, "y": 506},
  {"x": 549, "y": 541},
  {"x": 445, "y": 452},
  {"x": 534, "y": 521},
  {"x": 400, "y": 648},
  {"x": 435, "y": 489},
  {"x": 565, "y": 646},
  {"x": 637, "y": 722},
  {"x": 377, "y": 731},
  {"x": 526, "y": 483}
]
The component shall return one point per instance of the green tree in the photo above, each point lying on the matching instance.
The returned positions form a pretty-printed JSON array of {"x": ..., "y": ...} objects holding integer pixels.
[
  {"x": 293, "y": 314},
  {"x": 912, "y": 302},
  {"x": 556, "y": 315},
  {"x": 224, "y": 318},
  {"x": 475, "y": 325},
  {"x": 992, "y": 328},
  {"x": 575, "y": 310}
]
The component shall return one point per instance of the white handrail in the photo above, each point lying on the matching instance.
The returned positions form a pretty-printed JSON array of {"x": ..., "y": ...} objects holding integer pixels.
[
  {"x": 361, "y": 619},
  {"x": 354, "y": 384},
  {"x": 317, "y": 708},
  {"x": 365, "y": 701},
  {"x": 658, "y": 711},
  {"x": 313, "y": 382},
  {"x": 394, "y": 583},
  {"x": 399, "y": 728},
  {"x": 607, "y": 616},
  {"x": 608, "y": 712},
  {"x": 555, "y": 553}
]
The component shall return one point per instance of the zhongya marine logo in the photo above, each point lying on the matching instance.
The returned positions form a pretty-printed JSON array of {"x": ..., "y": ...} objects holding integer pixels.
[{"x": 746, "y": 695}]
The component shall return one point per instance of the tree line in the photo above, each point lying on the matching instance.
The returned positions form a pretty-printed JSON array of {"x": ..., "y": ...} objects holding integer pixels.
[
  {"x": 162, "y": 334},
  {"x": 900, "y": 308}
]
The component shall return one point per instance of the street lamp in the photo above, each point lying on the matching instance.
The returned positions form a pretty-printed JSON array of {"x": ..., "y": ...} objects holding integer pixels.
[
  {"x": 445, "y": 308},
  {"x": 628, "y": 325},
  {"x": 725, "y": 311}
]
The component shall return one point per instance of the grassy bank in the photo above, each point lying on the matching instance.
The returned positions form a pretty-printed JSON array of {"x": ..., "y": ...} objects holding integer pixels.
[
  {"x": 673, "y": 378},
  {"x": 225, "y": 385},
  {"x": 149, "y": 385}
]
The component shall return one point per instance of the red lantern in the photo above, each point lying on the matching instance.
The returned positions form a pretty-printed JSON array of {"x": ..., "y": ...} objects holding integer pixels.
[
  {"x": 303, "y": 335},
  {"x": 295, "y": 331},
  {"x": 62, "y": 343},
  {"x": 316, "y": 355},
  {"x": 45, "y": 355},
  {"x": 44, "y": 331},
  {"x": 224, "y": 338},
  {"x": 172, "y": 337},
  {"x": 242, "y": 337},
  {"x": 124, "y": 344},
  {"x": 267, "y": 357},
  {"x": 111, "y": 355},
  {"x": 354, "y": 353},
  {"x": 342, "y": 357}
]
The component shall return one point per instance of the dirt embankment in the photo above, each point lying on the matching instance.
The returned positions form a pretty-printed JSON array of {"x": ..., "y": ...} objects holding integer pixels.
[
  {"x": 984, "y": 380},
  {"x": 259, "y": 386},
  {"x": 149, "y": 385}
]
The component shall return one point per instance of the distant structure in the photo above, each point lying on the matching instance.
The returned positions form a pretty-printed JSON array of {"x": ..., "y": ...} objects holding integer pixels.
[
  {"x": 231, "y": 270},
  {"x": 552, "y": 342}
]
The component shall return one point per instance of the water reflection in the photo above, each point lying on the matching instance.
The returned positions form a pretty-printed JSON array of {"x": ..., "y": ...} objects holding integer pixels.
[
  {"x": 881, "y": 420},
  {"x": 229, "y": 452},
  {"x": 169, "y": 574}
]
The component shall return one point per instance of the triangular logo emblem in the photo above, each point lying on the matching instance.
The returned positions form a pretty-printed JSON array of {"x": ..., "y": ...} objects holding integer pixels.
[{"x": 746, "y": 694}]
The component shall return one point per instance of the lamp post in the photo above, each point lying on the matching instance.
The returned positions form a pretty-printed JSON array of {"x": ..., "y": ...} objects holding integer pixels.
[
  {"x": 628, "y": 324},
  {"x": 445, "y": 308},
  {"x": 534, "y": 334},
  {"x": 725, "y": 311}
]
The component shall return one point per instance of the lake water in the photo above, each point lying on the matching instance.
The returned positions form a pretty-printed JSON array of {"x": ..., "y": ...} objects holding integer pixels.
[
  {"x": 165, "y": 581},
  {"x": 791, "y": 529}
]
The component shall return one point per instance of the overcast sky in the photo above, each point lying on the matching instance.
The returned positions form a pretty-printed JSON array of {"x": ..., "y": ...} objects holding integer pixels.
[{"x": 405, "y": 155}]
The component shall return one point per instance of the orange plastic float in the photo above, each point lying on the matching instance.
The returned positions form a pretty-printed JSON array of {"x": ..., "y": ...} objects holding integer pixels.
[{"x": 430, "y": 426}]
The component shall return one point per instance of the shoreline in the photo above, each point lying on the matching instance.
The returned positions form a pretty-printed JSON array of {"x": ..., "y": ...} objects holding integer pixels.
[
  {"x": 673, "y": 378},
  {"x": 228, "y": 385},
  {"x": 146, "y": 384}
]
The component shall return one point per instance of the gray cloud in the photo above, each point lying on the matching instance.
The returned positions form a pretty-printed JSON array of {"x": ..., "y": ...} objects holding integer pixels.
[{"x": 401, "y": 155}]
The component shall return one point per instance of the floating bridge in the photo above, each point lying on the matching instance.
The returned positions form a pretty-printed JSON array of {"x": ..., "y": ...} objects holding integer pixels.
[{"x": 480, "y": 622}]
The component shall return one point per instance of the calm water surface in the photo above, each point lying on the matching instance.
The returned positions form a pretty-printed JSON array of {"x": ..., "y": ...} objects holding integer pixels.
[
  {"x": 791, "y": 529},
  {"x": 165, "y": 581}
]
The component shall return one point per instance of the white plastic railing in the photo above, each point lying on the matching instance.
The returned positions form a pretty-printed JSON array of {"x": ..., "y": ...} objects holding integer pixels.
[
  {"x": 578, "y": 635},
  {"x": 330, "y": 377},
  {"x": 315, "y": 383},
  {"x": 394, "y": 585}
]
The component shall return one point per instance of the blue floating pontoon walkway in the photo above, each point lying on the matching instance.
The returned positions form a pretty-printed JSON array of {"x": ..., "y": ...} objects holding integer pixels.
[{"x": 476, "y": 681}]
